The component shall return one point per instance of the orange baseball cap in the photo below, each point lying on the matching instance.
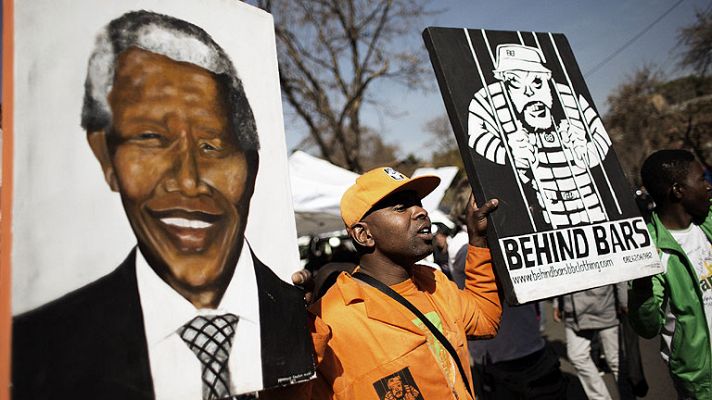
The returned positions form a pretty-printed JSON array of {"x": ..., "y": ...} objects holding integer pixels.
[{"x": 374, "y": 185}]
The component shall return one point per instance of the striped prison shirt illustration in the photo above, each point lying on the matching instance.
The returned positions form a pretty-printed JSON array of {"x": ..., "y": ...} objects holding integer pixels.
[{"x": 565, "y": 187}]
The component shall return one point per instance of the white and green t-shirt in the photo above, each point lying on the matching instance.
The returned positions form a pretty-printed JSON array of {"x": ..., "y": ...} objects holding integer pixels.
[{"x": 699, "y": 251}]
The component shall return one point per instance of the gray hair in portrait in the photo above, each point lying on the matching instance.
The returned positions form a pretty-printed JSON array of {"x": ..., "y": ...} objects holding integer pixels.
[{"x": 173, "y": 38}]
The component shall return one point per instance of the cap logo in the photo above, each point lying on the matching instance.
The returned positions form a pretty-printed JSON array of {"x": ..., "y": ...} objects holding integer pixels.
[{"x": 394, "y": 174}]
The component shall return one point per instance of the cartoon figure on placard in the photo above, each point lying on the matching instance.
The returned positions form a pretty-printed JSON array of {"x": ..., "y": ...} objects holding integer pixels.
[
  {"x": 512, "y": 119},
  {"x": 398, "y": 386},
  {"x": 397, "y": 391}
]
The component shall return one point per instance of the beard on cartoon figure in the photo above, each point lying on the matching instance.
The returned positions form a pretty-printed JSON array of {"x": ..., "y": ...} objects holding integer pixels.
[
  {"x": 535, "y": 117},
  {"x": 531, "y": 97}
]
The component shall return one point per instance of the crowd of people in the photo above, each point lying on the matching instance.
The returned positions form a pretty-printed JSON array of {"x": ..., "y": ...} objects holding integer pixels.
[{"x": 517, "y": 363}]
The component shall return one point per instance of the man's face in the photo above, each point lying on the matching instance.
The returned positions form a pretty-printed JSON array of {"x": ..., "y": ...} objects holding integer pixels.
[
  {"x": 696, "y": 193},
  {"x": 400, "y": 227},
  {"x": 531, "y": 96},
  {"x": 179, "y": 169},
  {"x": 396, "y": 386}
]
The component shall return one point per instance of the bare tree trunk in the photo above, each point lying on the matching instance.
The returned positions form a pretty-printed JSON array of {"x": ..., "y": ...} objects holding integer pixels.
[{"x": 331, "y": 52}]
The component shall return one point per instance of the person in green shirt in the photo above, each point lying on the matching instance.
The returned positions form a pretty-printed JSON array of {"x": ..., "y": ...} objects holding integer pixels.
[{"x": 678, "y": 303}]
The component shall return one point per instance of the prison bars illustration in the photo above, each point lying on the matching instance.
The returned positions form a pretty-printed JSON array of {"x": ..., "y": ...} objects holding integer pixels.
[
  {"x": 583, "y": 119},
  {"x": 510, "y": 108},
  {"x": 558, "y": 136},
  {"x": 499, "y": 125}
]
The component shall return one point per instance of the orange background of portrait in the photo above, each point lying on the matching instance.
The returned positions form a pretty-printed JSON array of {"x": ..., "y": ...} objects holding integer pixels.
[{"x": 6, "y": 199}]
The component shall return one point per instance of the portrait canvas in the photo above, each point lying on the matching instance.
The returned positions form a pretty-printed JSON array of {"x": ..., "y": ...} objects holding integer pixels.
[
  {"x": 152, "y": 236},
  {"x": 530, "y": 136}
]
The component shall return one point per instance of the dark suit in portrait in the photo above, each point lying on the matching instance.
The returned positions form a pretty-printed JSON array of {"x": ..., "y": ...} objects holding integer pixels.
[{"x": 90, "y": 344}]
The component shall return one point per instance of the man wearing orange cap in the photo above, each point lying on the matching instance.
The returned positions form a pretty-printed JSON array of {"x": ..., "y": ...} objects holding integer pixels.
[{"x": 364, "y": 339}]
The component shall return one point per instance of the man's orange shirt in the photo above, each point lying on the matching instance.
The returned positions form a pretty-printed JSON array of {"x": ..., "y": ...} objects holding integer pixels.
[{"x": 368, "y": 346}]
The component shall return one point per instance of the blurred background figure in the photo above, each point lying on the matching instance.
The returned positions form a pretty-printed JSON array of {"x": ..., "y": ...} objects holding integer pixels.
[
  {"x": 517, "y": 363},
  {"x": 440, "y": 247},
  {"x": 594, "y": 313},
  {"x": 319, "y": 250}
]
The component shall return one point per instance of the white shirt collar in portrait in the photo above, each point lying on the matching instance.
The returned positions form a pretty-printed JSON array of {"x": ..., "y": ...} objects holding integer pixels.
[{"x": 175, "y": 369}]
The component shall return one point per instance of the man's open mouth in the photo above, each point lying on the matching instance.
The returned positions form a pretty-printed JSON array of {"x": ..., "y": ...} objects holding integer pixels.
[
  {"x": 189, "y": 231},
  {"x": 425, "y": 232}
]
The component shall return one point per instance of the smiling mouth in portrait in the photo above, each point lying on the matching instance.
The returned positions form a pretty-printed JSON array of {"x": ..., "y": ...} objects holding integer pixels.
[{"x": 191, "y": 225}]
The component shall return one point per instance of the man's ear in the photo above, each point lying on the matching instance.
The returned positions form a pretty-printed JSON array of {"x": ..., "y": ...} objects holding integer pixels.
[
  {"x": 361, "y": 235},
  {"x": 676, "y": 191},
  {"x": 97, "y": 142}
]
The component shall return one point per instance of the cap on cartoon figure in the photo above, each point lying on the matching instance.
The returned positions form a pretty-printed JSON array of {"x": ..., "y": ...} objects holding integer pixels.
[{"x": 516, "y": 57}]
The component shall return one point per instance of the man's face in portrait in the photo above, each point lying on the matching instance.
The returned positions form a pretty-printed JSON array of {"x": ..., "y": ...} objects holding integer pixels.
[
  {"x": 175, "y": 160},
  {"x": 531, "y": 96}
]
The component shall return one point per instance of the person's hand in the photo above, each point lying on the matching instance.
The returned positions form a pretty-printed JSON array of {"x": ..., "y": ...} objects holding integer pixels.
[
  {"x": 523, "y": 151},
  {"x": 571, "y": 132},
  {"x": 574, "y": 137},
  {"x": 623, "y": 310},
  {"x": 557, "y": 314},
  {"x": 477, "y": 221},
  {"x": 304, "y": 279}
]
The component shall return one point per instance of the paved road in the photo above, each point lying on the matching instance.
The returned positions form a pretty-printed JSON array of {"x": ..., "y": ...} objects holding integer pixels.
[{"x": 656, "y": 374}]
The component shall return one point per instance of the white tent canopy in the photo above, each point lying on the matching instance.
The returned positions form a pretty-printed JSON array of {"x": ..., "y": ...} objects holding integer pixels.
[
  {"x": 317, "y": 187},
  {"x": 432, "y": 201}
]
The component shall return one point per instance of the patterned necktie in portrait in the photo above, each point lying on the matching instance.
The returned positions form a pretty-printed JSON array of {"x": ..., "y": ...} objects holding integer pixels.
[{"x": 210, "y": 338}]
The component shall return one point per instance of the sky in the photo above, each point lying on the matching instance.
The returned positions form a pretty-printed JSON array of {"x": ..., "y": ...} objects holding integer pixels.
[{"x": 595, "y": 30}]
